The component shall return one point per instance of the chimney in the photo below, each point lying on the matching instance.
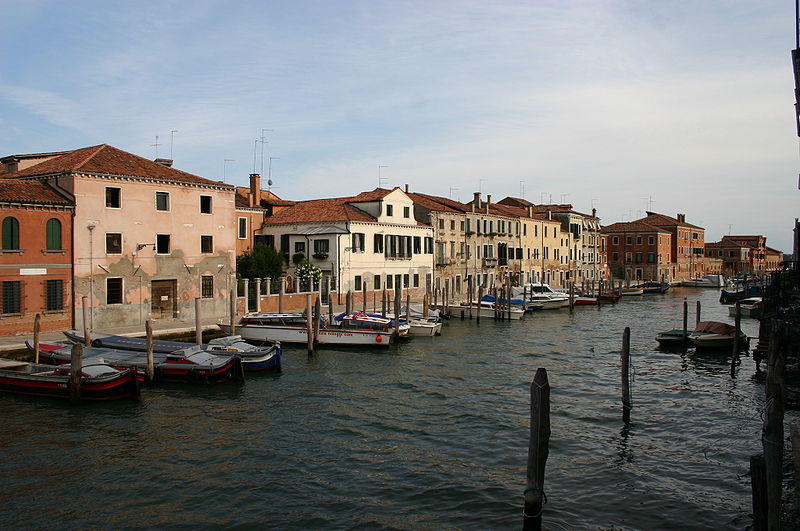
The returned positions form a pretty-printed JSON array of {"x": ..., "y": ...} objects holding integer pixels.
[
  {"x": 549, "y": 214},
  {"x": 255, "y": 189},
  {"x": 530, "y": 211},
  {"x": 488, "y": 202},
  {"x": 594, "y": 212},
  {"x": 406, "y": 187},
  {"x": 164, "y": 162},
  {"x": 682, "y": 218},
  {"x": 476, "y": 201}
]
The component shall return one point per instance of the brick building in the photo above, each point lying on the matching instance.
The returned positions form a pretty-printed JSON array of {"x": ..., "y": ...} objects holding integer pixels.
[{"x": 639, "y": 251}]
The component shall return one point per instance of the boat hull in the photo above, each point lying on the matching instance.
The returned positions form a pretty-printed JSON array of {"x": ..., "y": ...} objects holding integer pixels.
[
  {"x": 287, "y": 334},
  {"x": 118, "y": 386}
]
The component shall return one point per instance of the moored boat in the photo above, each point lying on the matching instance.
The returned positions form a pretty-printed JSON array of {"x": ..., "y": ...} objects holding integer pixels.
[
  {"x": 189, "y": 365},
  {"x": 543, "y": 295},
  {"x": 632, "y": 291},
  {"x": 750, "y": 307},
  {"x": 97, "y": 382},
  {"x": 487, "y": 310},
  {"x": 265, "y": 357},
  {"x": 706, "y": 281},
  {"x": 730, "y": 297},
  {"x": 717, "y": 335},
  {"x": 654, "y": 287}
]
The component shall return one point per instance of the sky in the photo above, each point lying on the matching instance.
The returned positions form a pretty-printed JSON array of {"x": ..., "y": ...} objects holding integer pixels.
[{"x": 623, "y": 106}]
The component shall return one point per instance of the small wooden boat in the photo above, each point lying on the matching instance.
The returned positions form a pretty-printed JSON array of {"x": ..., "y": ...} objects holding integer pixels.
[
  {"x": 585, "y": 300},
  {"x": 189, "y": 365},
  {"x": 750, "y": 307},
  {"x": 653, "y": 287},
  {"x": 98, "y": 381},
  {"x": 291, "y": 328},
  {"x": 716, "y": 335},
  {"x": 266, "y": 357},
  {"x": 673, "y": 338},
  {"x": 632, "y": 291}
]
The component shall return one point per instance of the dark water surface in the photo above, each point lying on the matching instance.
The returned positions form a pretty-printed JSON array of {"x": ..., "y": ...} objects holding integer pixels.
[{"x": 431, "y": 434}]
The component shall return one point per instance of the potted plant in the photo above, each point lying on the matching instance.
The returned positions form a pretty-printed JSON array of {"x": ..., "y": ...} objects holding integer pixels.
[
  {"x": 297, "y": 258},
  {"x": 320, "y": 256}
]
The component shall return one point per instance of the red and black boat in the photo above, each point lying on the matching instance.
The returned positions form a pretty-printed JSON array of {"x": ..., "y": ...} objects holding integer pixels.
[{"x": 98, "y": 381}]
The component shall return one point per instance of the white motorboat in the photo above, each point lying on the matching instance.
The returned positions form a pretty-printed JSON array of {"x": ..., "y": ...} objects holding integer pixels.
[
  {"x": 487, "y": 311},
  {"x": 750, "y": 307},
  {"x": 542, "y": 294},
  {"x": 706, "y": 281}
]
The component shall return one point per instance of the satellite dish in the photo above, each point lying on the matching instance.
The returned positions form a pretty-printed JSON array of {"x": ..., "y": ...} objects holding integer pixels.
[{"x": 269, "y": 182}]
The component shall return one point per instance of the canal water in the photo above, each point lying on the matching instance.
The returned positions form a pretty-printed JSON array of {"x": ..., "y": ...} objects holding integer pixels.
[{"x": 431, "y": 434}]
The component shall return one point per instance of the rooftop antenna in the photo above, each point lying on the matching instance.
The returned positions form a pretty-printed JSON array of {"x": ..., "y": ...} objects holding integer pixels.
[
  {"x": 269, "y": 180},
  {"x": 650, "y": 202},
  {"x": 255, "y": 150},
  {"x": 156, "y": 146},
  {"x": 451, "y": 191},
  {"x": 522, "y": 189},
  {"x": 262, "y": 147},
  {"x": 171, "y": 138},
  {"x": 542, "y": 197},
  {"x": 729, "y": 229},
  {"x": 480, "y": 184},
  {"x": 380, "y": 179},
  {"x": 563, "y": 198},
  {"x": 224, "y": 167}
]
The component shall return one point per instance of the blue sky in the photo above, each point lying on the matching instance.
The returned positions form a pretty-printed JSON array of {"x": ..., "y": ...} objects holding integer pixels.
[{"x": 680, "y": 106}]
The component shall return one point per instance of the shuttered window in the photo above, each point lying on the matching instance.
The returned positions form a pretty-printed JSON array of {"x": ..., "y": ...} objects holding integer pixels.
[
  {"x": 12, "y": 299},
  {"x": 53, "y": 235},
  {"x": 54, "y": 295},
  {"x": 10, "y": 234}
]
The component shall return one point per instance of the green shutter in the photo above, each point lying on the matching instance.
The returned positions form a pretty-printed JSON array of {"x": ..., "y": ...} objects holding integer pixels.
[
  {"x": 53, "y": 235},
  {"x": 10, "y": 234}
]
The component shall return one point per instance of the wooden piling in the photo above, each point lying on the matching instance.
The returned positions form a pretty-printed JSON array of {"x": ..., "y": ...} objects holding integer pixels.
[
  {"x": 626, "y": 370},
  {"x": 738, "y": 326},
  {"x": 348, "y": 302},
  {"x": 426, "y": 301},
  {"x": 436, "y": 298},
  {"x": 37, "y": 325},
  {"x": 198, "y": 327},
  {"x": 685, "y": 318},
  {"x": 309, "y": 325},
  {"x": 232, "y": 300},
  {"x": 148, "y": 330},
  {"x": 281, "y": 293},
  {"x": 772, "y": 434},
  {"x": 383, "y": 303},
  {"x": 697, "y": 314},
  {"x": 408, "y": 307},
  {"x": 480, "y": 297},
  {"x": 363, "y": 297},
  {"x": 470, "y": 289},
  {"x": 508, "y": 295},
  {"x": 572, "y": 296},
  {"x": 87, "y": 339},
  {"x": 758, "y": 485},
  {"x": 398, "y": 295},
  {"x": 75, "y": 370},
  {"x": 330, "y": 309},
  {"x": 317, "y": 319},
  {"x": 538, "y": 450}
]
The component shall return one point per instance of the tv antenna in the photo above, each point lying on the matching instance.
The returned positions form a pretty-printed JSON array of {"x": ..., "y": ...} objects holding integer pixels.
[
  {"x": 522, "y": 189},
  {"x": 380, "y": 179},
  {"x": 480, "y": 184},
  {"x": 224, "y": 167},
  {"x": 269, "y": 180},
  {"x": 262, "y": 147},
  {"x": 156, "y": 146},
  {"x": 171, "y": 139},
  {"x": 452, "y": 188}
]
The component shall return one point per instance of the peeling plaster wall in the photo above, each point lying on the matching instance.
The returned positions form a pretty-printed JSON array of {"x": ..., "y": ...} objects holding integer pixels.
[{"x": 138, "y": 265}]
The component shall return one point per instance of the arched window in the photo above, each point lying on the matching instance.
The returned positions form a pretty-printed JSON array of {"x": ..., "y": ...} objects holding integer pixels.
[
  {"x": 53, "y": 235},
  {"x": 10, "y": 234}
]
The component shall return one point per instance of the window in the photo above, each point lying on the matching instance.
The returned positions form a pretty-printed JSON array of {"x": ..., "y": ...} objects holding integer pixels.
[
  {"x": 357, "y": 281},
  {"x": 428, "y": 245},
  {"x": 299, "y": 247},
  {"x": 206, "y": 244},
  {"x": 242, "y": 228},
  {"x": 205, "y": 204},
  {"x": 162, "y": 244},
  {"x": 629, "y": 240},
  {"x": 615, "y": 257},
  {"x": 207, "y": 286},
  {"x": 54, "y": 295},
  {"x": 320, "y": 246},
  {"x": 441, "y": 224},
  {"x": 376, "y": 281},
  {"x": 406, "y": 212},
  {"x": 113, "y": 291},
  {"x": 162, "y": 200},
  {"x": 389, "y": 210},
  {"x": 53, "y": 235},
  {"x": 417, "y": 245},
  {"x": 405, "y": 281},
  {"x": 651, "y": 258},
  {"x": 113, "y": 197},
  {"x": 651, "y": 240},
  {"x": 638, "y": 240},
  {"x": 113, "y": 243},
  {"x": 638, "y": 258},
  {"x": 357, "y": 242},
  {"x": 12, "y": 300},
  {"x": 388, "y": 281},
  {"x": 416, "y": 280},
  {"x": 452, "y": 224},
  {"x": 10, "y": 234},
  {"x": 462, "y": 226},
  {"x": 377, "y": 243}
]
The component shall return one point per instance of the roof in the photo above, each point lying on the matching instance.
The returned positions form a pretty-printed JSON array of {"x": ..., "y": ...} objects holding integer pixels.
[
  {"x": 375, "y": 195},
  {"x": 37, "y": 192},
  {"x": 662, "y": 220},
  {"x": 436, "y": 203},
  {"x": 632, "y": 226},
  {"x": 267, "y": 199},
  {"x": 317, "y": 210},
  {"x": 108, "y": 160},
  {"x": 515, "y": 202}
]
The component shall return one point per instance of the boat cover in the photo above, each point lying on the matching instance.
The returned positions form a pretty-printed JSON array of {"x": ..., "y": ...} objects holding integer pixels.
[{"x": 714, "y": 327}]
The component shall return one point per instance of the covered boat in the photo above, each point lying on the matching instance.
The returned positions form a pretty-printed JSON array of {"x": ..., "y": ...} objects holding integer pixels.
[
  {"x": 98, "y": 381},
  {"x": 716, "y": 335},
  {"x": 265, "y": 357}
]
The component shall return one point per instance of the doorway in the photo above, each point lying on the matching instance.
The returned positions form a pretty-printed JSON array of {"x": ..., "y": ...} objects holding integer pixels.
[{"x": 164, "y": 294}]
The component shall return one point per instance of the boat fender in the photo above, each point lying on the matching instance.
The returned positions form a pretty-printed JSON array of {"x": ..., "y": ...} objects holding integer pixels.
[{"x": 379, "y": 338}]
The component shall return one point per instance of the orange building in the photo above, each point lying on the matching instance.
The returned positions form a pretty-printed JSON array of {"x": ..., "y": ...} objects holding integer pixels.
[
  {"x": 638, "y": 251},
  {"x": 36, "y": 257}
]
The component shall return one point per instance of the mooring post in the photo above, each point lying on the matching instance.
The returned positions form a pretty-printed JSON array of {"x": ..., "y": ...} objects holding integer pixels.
[
  {"x": 772, "y": 435},
  {"x": 258, "y": 295},
  {"x": 198, "y": 327},
  {"x": 508, "y": 296},
  {"x": 281, "y": 293},
  {"x": 317, "y": 319},
  {"x": 626, "y": 370},
  {"x": 383, "y": 302},
  {"x": 572, "y": 296},
  {"x": 478, "y": 311},
  {"x": 685, "y": 318},
  {"x": 330, "y": 309},
  {"x": 363, "y": 297},
  {"x": 398, "y": 294},
  {"x": 738, "y": 326},
  {"x": 87, "y": 339},
  {"x": 697, "y": 318},
  {"x": 309, "y": 325},
  {"x": 232, "y": 299},
  {"x": 76, "y": 366},
  {"x": 148, "y": 331},
  {"x": 758, "y": 485},
  {"x": 436, "y": 298},
  {"x": 469, "y": 296},
  {"x": 246, "y": 288},
  {"x": 425, "y": 305},
  {"x": 538, "y": 450},
  {"x": 408, "y": 307},
  {"x": 37, "y": 325}
]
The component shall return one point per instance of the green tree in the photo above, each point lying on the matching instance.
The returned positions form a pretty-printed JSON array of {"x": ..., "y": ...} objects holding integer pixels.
[{"x": 262, "y": 262}]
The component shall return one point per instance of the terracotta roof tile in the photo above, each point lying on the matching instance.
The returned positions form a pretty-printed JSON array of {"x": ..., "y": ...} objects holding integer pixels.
[
  {"x": 662, "y": 220},
  {"x": 37, "y": 192},
  {"x": 632, "y": 226},
  {"x": 375, "y": 195},
  {"x": 105, "y": 159},
  {"x": 437, "y": 204},
  {"x": 336, "y": 209}
]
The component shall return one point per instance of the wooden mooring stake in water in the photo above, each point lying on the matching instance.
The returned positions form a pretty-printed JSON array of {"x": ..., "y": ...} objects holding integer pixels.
[
  {"x": 538, "y": 450},
  {"x": 198, "y": 327},
  {"x": 85, "y": 312},
  {"x": 697, "y": 315},
  {"x": 148, "y": 331},
  {"x": 626, "y": 368},
  {"x": 37, "y": 325},
  {"x": 736, "y": 346},
  {"x": 310, "y": 324},
  {"x": 685, "y": 318},
  {"x": 76, "y": 366},
  {"x": 317, "y": 319}
]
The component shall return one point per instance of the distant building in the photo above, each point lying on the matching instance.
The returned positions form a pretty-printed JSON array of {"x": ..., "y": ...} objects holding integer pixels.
[
  {"x": 687, "y": 245},
  {"x": 639, "y": 251},
  {"x": 744, "y": 255},
  {"x": 253, "y": 206}
]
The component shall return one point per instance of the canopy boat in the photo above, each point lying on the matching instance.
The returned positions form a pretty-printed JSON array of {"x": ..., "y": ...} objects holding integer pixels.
[
  {"x": 716, "y": 335},
  {"x": 98, "y": 381},
  {"x": 706, "y": 281},
  {"x": 751, "y": 307},
  {"x": 266, "y": 357},
  {"x": 188, "y": 365},
  {"x": 542, "y": 294},
  {"x": 291, "y": 328}
]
